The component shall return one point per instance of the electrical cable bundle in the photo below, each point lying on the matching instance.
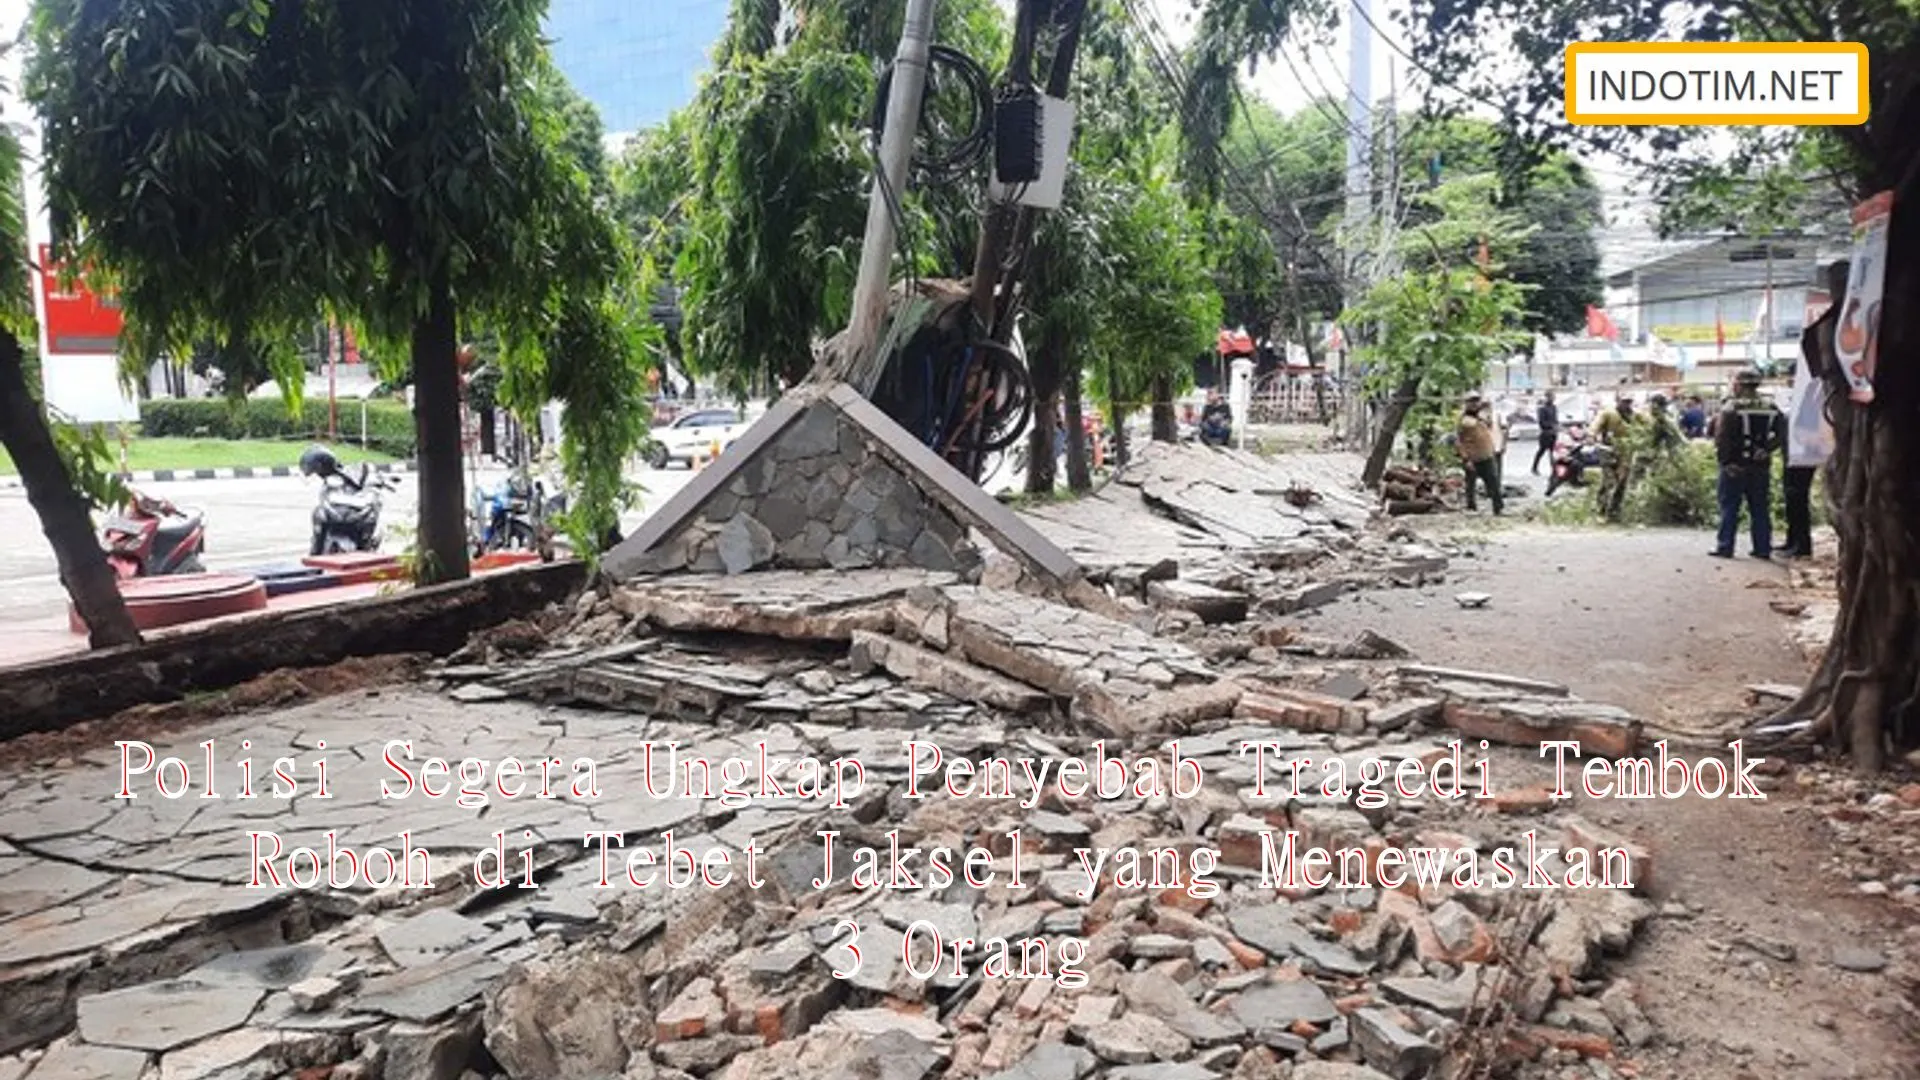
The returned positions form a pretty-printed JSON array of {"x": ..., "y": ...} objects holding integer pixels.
[
  {"x": 990, "y": 402},
  {"x": 952, "y": 162}
]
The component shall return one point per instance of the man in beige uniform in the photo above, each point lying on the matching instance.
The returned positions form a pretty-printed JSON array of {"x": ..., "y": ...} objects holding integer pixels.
[{"x": 1478, "y": 443}]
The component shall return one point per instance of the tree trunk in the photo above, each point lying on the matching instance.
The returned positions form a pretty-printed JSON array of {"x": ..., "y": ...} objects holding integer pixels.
[
  {"x": 1042, "y": 438},
  {"x": 1166, "y": 426},
  {"x": 489, "y": 444},
  {"x": 1116, "y": 416},
  {"x": 1079, "y": 467},
  {"x": 442, "y": 542},
  {"x": 64, "y": 517},
  {"x": 1865, "y": 697},
  {"x": 1391, "y": 418}
]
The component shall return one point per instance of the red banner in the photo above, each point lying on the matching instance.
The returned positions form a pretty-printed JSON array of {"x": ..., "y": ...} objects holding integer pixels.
[{"x": 78, "y": 322}]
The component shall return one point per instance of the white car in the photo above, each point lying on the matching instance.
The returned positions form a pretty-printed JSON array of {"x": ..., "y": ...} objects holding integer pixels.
[{"x": 700, "y": 433}]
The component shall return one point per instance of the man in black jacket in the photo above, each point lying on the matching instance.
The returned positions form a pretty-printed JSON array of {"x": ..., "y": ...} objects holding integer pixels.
[
  {"x": 1750, "y": 432},
  {"x": 1548, "y": 417}
]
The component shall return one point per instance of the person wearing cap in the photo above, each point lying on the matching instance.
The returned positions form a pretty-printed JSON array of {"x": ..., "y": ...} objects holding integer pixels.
[
  {"x": 1667, "y": 436},
  {"x": 1479, "y": 451},
  {"x": 1751, "y": 430},
  {"x": 1613, "y": 429}
]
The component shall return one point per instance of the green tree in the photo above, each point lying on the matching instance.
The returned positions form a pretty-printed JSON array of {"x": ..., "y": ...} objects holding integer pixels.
[
  {"x": 241, "y": 167},
  {"x": 756, "y": 193},
  {"x": 1162, "y": 309},
  {"x": 1438, "y": 322},
  {"x": 1863, "y": 696},
  {"x": 1557, "y": 200}
]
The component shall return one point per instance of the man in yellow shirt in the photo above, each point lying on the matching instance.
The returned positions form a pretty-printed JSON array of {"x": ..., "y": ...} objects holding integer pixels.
[{"x": 1479, "y": 450}]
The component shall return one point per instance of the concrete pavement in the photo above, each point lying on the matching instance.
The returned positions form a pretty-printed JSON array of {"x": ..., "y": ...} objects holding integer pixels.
[{"x": 250, "y": 523}]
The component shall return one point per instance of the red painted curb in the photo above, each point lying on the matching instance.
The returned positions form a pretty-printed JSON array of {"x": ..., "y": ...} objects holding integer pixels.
[
  {"x": 359, "y": 567},
  {"x": 183, "y": 598}
]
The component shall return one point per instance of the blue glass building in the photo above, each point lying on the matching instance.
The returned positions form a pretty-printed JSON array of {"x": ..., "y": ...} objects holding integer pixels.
[{"x": 636, "y": 60}]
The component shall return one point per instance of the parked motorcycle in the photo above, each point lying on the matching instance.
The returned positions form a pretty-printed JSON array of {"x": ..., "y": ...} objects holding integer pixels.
[
  {"x": 348, "y": 515},
  {"x": 150, "y": 537},
  {"x": 517, "y": 515},
  {"x": 1575, "y": 453}
]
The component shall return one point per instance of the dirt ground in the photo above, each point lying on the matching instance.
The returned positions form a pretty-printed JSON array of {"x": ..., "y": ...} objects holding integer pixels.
[{"x": 1644, "y": 620}]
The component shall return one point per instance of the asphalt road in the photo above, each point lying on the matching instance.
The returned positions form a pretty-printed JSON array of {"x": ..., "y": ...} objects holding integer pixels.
[{"x": 250, "y": 523}]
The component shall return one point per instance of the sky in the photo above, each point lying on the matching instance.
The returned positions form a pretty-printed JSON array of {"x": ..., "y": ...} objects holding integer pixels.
[{"x": 1306, "y": 69}]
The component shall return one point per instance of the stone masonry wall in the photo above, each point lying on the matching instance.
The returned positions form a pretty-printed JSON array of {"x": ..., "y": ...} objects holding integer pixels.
[{"x": 818, "y": 496}]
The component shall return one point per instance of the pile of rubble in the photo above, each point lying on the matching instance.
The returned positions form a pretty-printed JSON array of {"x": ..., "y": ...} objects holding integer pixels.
[{"x": 136, "y": 946}]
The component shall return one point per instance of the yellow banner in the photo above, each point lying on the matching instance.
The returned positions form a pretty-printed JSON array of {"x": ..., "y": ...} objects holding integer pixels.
[{"x": 1692, "y": 333}]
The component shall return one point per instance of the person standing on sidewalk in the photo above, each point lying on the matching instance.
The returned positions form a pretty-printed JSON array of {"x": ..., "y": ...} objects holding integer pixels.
[
  {"x": 1750, "y": 431},
  {"x": 1801, "y": 461},
  {"x": 1479, "y": 453},
  {"x": 1547, "y": 416}
]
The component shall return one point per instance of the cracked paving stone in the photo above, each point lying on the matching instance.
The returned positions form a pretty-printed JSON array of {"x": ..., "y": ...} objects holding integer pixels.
[
  {"x": 164, "y": 1015},
  {"x": 53, "y": 818},
  {"x": 74, "y": 1061},
  {"x": 42, "y": 884},
  {"x": 429, "y": 937},
  {"x": 1280, "y": 1004},
  {"x": 271, "y": 969},
  {"x": 427, "y": 993},
  {"x": 1051, "y": 1061}
]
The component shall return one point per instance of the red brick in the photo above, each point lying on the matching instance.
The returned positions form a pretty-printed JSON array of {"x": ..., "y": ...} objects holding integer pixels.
[
  {"x": 1181, "y": 900},
  {"x": 1244, "y": 954},
  {"x": 1352, "y": 1002},
  {"x": 1526, "y": 800},
  {"x": 1240, "y": 841},
  {"x": 1910, "y": 794},
  {"x": 696, "y": 1011},
  {"x": 1581, "y": 833},
  {"x": 766, "y": 1023},
  {"x": 1345, "y": 921},
  {"x": 1302, "y": 709},
  {"x": 1593, "y": 1046}
]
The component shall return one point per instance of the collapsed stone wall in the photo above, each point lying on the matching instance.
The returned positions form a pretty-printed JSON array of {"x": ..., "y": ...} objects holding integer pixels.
[{"x": 819, "y": 496}]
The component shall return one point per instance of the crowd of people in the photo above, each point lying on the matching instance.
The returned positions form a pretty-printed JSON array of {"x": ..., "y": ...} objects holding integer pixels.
[{"x": 1748, "y": 429}]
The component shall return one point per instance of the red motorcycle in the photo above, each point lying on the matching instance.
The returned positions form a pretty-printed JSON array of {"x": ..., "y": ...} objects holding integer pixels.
[{"x": 150, "y": 537}]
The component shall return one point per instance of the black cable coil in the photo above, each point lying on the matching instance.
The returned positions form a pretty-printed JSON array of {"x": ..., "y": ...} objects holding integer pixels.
[{"x": 946, "y": 62}]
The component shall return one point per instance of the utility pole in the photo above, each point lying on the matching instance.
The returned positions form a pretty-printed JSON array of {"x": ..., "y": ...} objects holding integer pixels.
[
  {"x": 1387, "y": 263},
  {"x": 1767, "y": 299},
  {"x": 1359, "y": 114},
  {"x": 871, "y": 287}
]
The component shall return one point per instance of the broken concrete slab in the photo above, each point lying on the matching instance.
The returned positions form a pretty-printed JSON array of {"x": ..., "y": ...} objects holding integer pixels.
[
  {"x": 163, "y": 1015},
  {"x": 427, "y": 993},
  {"x": 1280, "y": 1005},
  {"x": 793, "y": 605},
  {"x": 69, "y": 1060},
  {"x": 943, "y": 673},
  {"x": 1389, "y": 1047},
  {"x": 1601, "y": 730},
  {"x": 1213, "y": 606}
]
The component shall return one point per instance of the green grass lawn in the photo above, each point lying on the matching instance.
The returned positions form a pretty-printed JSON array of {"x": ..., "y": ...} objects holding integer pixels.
[{"x": 146, "y": 455}]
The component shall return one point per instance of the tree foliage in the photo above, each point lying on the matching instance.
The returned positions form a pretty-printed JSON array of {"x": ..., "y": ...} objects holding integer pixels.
[
  {"x": 240, "y": 168},
  {"x": 1556, "y": 200},
  {"x": 1437, "y": 324},
  {"x": 754, "y": 196},
  {"x": 1865, "y": 695}
]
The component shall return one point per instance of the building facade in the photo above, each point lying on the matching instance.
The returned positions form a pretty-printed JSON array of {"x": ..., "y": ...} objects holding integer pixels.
[
  {"x": 1689, "y": 317},
  {"x": 636, "y": 61}
]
